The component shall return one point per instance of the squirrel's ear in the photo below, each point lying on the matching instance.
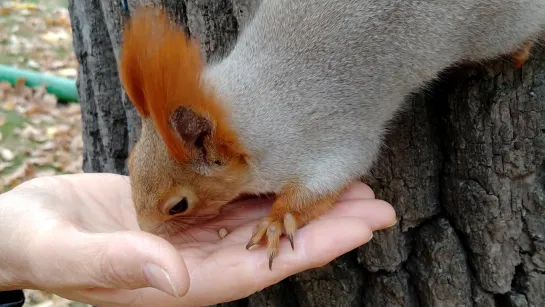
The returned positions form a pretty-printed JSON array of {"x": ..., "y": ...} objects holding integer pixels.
[
  {"x": 191, "y": 127},
  {"x": 205, "y": 144}
]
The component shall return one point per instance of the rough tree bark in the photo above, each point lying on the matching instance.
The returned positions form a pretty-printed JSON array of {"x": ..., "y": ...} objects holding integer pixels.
[{"x": 463, "y": 167}]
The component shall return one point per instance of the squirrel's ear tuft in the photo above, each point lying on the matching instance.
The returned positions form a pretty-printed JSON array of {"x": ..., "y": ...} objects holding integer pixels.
[
  {"x": 131, "y": 71},
  {"x": 161, "y": 69}
]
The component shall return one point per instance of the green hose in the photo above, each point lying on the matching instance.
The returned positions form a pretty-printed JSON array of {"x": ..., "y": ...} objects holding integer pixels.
[{"x": 65, "y": 89}]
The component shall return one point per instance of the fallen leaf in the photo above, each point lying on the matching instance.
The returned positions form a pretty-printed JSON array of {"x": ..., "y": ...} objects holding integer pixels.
[
  {"x": 42, "y": 161},
  {"x": 63, "y": 130},
  {"x": 75, "y": 166},
  {"x": 4, "y": 165},
  {"x": 45, "y": 173},
  {"x": 4, "y": 11},
  {"x": 6, "y": 154},
  {"x": 67, "y": 72},
  {"x": 58, "y": 64},
  {"x": 30, "y": 132},
  {"x": 5, "y": 86},
  {"x": 16, "y": 177},
  {"x": 47, "y": 146},
  {"x": 15, "y": 5},
  {"x": 49, "y": 101},
  {"x": 51, "y": 131},
  {"x": 74, "y": 109},
  {"x": 40, "y": 91},
  {"x": 33, "y": 64},
  {"x": 32, "y": 109},
  {"x": 77, "y": 144},
  {"x": 20, "y": 85},
  {"x": 51, "y": 37},
  {"x": 8, "y": 105}
]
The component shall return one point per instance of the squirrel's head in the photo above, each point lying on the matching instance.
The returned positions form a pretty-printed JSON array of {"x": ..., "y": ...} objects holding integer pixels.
[{"x": 188, "y": 162}]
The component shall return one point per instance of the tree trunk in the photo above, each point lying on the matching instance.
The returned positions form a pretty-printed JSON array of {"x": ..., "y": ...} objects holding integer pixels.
[{"x": 463, "y": 167}]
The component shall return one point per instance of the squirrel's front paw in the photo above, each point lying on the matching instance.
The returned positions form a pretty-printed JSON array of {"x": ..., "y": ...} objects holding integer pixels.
[
  {"x": 293, "y": 208},
  {"x": 272, "y": 228}
]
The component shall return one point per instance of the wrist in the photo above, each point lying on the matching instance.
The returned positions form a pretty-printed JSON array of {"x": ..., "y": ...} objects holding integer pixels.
[
  {"x": 13, "y": 250},
  {"x": 13, "y": 267},
  {"x": 11, "y": 279},
  {"x": 11, "y": 285}
]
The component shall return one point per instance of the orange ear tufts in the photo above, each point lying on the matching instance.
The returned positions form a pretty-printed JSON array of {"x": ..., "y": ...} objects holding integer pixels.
[{"x": 161, "y": 70}]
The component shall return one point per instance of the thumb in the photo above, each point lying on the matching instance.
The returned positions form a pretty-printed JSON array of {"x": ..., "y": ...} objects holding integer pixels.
[{"x": 119, "y": 260}]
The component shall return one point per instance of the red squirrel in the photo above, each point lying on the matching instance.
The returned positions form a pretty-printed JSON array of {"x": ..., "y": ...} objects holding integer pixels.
[{"x": 299, "y": 106}]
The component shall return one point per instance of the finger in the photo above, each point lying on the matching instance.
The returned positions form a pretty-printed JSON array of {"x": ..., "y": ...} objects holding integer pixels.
[
  {"x": 120, "y": 298},
  {"x": 358, "y": 190},
  {"x": 244, "y": 272},
  {"x": 376, "y": 213},
  {"x": 120, "y": 260}
]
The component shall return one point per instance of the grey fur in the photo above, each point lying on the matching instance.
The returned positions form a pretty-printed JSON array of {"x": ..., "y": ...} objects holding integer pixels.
[{"x": 312, "y": 84}]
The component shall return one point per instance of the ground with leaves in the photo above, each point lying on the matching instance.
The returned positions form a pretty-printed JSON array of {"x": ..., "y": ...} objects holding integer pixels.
[{"x": 39, "y": 136}]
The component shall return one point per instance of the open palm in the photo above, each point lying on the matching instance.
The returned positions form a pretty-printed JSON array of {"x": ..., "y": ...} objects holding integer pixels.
[{"x": 91, "y": 244}]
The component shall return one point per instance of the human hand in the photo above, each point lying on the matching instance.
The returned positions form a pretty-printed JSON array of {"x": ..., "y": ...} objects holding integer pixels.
[{"x": 77, "y": 236}]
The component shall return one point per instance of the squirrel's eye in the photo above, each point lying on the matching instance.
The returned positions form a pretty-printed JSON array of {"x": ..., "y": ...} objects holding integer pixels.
[{"x": 180, "y": 207}]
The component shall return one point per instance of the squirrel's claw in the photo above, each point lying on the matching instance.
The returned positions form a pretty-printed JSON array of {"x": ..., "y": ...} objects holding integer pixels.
[
  {"x": 290, "y": 227},
  {"x": 272, "y": 228},
  {"x": 259, "y": 231},
  {"x": 522, "y": 54}
]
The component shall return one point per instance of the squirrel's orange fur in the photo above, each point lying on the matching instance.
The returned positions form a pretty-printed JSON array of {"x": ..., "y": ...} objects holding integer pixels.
[
  {"x": 521, "y": 55},
  {"x": 166, "y": 74}
]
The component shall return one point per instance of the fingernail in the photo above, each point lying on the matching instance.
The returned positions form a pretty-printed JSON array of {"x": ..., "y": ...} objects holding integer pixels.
[
  {"x": 395, "y": 222},
  {"x": 159, "y": 279}
]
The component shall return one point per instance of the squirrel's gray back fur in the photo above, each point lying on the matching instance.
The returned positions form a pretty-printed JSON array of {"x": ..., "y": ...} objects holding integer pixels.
[{"x": 312, "y": 83}]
